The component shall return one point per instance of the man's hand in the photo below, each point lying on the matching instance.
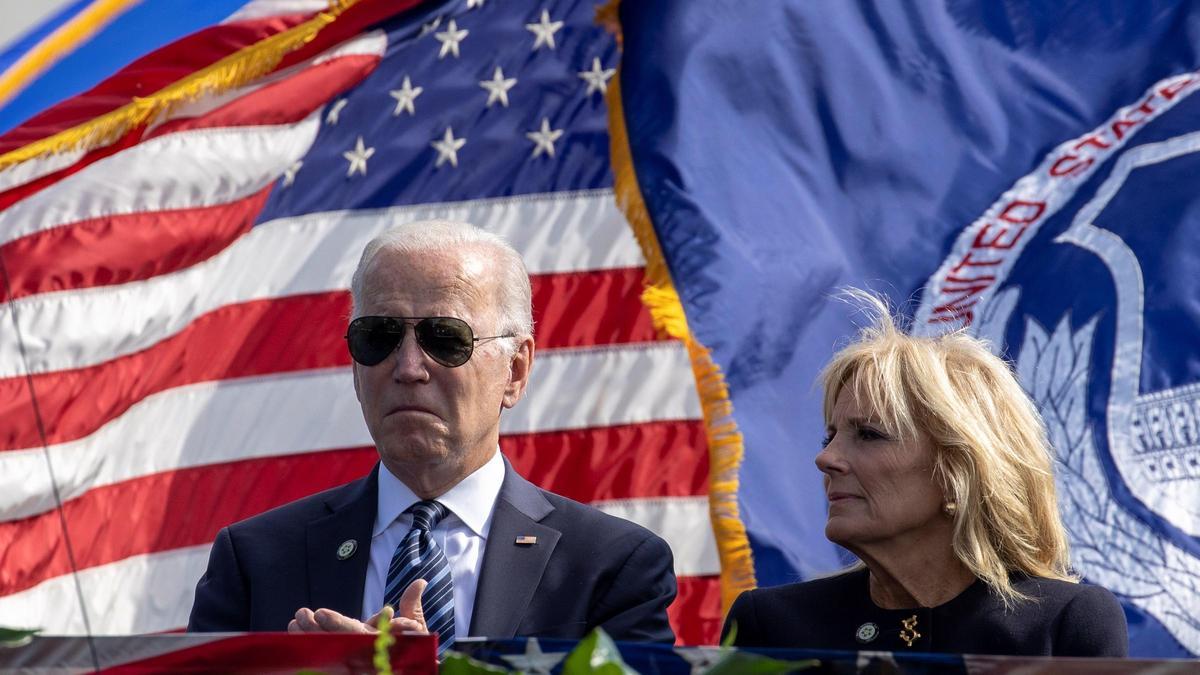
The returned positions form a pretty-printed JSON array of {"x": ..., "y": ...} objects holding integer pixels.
[
  {"x": 411, "y": 617},
  {"x": 326, "y": 621}
]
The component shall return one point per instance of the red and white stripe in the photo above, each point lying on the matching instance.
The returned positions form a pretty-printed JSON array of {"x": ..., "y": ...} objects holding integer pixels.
[{"x": 189, "y": 369}]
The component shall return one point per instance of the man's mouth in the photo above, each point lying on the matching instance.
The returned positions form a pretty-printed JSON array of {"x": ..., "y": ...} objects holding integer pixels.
[{"x": 411, "y": 409}]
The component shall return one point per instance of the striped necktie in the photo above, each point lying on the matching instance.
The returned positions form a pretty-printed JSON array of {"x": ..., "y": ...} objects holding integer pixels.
[{"x": 419, "y": 557}]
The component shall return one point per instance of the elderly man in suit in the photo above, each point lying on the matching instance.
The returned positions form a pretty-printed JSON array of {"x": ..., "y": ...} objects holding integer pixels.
[{"x": 442, "y": 531}]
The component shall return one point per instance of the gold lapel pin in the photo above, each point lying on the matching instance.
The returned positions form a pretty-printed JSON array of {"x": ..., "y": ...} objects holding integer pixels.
[
  {"x": 526, "y": 540},
  {"x": 909, "y": 633}
]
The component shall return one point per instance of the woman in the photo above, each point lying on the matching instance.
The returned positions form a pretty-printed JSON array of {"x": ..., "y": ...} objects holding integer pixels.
[{"x": 939, "y": 479}]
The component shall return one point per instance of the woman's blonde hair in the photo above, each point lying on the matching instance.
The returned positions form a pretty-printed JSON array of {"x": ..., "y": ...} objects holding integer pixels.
[{"x": 991, "y": 455}]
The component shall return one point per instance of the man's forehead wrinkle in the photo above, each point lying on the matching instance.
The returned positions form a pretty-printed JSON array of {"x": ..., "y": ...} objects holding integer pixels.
[
  {"x": 478, "y": 273},
  {"x": 456, "y": 281},
  {"x": 475, "y": 262}
]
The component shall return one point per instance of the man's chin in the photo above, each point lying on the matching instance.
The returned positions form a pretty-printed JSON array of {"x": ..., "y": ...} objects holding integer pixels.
[
  {"x": 416, "y": 454},
  {"x": 427, "y": 470}
]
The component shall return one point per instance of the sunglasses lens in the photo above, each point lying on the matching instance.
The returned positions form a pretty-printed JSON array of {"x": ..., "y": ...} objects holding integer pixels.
[
  {"x": 372, "y": 338},
  {"x": 447, "y": 340}
]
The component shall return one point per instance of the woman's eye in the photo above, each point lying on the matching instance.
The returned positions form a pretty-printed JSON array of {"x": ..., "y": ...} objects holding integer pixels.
[
  {"x": 827, "y": 440},
  {"x": 870, "y": 434}
]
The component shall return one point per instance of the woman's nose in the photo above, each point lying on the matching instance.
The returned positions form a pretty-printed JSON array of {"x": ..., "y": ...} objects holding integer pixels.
[{"x": 829, "y": 460}]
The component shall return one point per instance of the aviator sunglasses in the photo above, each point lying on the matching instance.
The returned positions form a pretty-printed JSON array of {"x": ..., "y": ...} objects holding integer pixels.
[{"x": 447, "y": 340}]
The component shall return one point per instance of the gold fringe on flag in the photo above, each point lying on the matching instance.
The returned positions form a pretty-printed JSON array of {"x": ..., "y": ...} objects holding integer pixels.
[
  {"x": 236, "y": 70},
  {"x": 725, "y": 446}
]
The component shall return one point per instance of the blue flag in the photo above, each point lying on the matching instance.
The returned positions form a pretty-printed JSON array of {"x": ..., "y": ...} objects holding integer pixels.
[{"x": 1026, "y": 169}]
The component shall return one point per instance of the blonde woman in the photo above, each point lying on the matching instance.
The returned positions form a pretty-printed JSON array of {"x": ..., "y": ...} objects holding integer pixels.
[{"x": 940, "y": 480}]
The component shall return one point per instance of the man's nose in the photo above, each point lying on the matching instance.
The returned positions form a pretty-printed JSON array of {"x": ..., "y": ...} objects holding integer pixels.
[{"x": 409, "y": 362}]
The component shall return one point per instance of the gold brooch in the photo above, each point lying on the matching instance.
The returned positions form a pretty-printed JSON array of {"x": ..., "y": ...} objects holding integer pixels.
[{"x": 909, "y": 632}]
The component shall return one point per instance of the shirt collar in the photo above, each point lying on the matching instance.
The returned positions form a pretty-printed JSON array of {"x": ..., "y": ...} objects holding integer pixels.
[{"x": 472, "y": 500}]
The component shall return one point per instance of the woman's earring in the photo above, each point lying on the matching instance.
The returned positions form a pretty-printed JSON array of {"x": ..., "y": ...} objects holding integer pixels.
[{"x": 950, "y": 508}]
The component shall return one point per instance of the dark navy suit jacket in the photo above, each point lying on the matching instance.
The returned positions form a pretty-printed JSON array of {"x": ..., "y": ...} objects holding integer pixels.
[
  {"x": 587, "y": 568},
  {"x": 1058, "y": 618}
]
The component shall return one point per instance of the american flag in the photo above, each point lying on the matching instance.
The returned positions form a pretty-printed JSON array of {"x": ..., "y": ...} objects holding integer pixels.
[{"x": 171, "y": 357}]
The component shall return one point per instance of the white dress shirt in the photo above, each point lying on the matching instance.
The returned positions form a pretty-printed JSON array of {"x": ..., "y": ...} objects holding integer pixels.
[{"x": 462, "y": 534}]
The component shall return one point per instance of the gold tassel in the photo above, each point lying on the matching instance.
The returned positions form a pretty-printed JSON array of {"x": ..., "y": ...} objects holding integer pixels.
[
  {"x": 725, "y": 445},
  {"x": 235, "y": 70}
]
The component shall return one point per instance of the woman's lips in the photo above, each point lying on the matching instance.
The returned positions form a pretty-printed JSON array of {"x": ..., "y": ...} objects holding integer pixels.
[{"x": 841, "y": 496}]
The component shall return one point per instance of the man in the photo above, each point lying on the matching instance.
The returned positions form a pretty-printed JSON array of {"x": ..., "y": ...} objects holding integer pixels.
[{"x": 443, "y": 530}]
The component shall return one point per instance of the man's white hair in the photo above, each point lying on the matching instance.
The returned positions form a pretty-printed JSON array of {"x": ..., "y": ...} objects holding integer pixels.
[{"x": 515, "y": 296}]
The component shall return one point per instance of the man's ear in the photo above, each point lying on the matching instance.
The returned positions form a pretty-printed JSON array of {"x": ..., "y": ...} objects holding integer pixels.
[{"x": 518, "y": 373}]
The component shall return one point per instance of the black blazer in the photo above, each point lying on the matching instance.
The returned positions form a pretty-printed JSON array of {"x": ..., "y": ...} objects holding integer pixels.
[
  {"x": 1061, "y": 619},
  {"x": 587, "y": 568}
]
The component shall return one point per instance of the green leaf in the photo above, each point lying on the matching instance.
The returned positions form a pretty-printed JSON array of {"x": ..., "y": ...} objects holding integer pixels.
[
  {"x": 736, "y": 662},
  {"x": 383, "y": 644},
  {"x": 596, "y": 654},
  {"x": 15, "y": 637},
  {"x": 461, "y": 664}
]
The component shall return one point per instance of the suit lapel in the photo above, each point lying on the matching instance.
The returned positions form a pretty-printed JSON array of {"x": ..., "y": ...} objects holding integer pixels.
[
  {"x": 335, "y": 583},
  {"x": 511, "y": 572}
]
